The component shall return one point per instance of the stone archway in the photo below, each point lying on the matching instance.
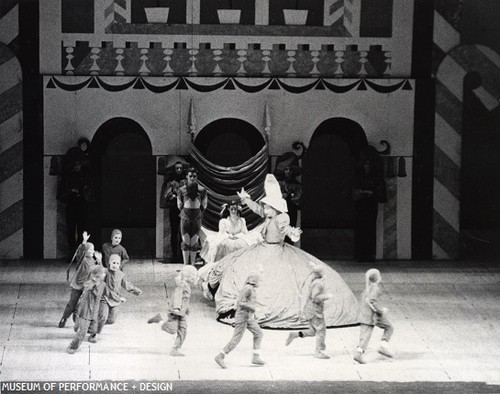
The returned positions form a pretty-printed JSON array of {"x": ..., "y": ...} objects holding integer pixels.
[
  {"x": 125, "y": 185},
  {"x": 328, "y": 170},
  {"x": 450, "y": 78}
]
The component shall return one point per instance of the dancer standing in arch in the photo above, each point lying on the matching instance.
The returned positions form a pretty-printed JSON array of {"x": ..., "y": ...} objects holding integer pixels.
[{"x": 192, "y": 202}]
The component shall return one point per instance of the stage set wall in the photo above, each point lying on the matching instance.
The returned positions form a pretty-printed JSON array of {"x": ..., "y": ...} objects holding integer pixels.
[
  {"x": 165, "y": 118},
  {"x": 337, "y": 41},
  {"x": 424, "y": 42}
]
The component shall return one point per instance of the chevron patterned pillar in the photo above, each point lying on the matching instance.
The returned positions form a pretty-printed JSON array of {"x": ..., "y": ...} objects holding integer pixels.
[
  {"x": 11, "y": 135},
  {"x": 11, "y": 154},
  {"x": 116, "y": 11},
  {"x": 334, "y": 12}
]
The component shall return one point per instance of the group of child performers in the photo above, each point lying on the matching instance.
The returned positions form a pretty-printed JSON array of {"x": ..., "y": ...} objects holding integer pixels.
[
  {"x": 370, "y": 315},
  {"x": 95, "y": 288}
]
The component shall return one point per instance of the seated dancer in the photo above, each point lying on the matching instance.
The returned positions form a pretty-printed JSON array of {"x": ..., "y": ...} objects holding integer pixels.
[
  {"x": 233, "y": 235},
  {"x": 192, "y": 202},
  {"x": 286, "y": 272}
]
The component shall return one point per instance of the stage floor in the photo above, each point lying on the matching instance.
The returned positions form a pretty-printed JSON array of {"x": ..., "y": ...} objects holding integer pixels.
[{"x": 446, "y": 317}]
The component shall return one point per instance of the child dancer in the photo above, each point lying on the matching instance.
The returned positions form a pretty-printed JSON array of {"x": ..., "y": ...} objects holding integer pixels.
[
  {"x": 178, "y": 308},
  {"x": 370, "y": 315},
  {"x": 86, "y": 257},
  {"x": 88, "y": 307},
  {"x": 245, "y": 318},
  {"x": 313, "y": 312},
  {"x": 115, "y": 247},
  {"x": 115, "y": 280}
]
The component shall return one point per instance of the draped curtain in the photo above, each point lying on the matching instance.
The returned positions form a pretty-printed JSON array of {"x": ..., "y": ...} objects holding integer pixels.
[{"x": 222, "y": 183}]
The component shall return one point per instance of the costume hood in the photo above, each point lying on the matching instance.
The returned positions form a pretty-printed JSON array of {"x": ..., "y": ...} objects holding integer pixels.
[{"x": 273, "y": 197}]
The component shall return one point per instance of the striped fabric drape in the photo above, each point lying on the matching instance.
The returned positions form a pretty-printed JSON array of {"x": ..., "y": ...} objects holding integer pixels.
[{"x": 222, "y": 183}]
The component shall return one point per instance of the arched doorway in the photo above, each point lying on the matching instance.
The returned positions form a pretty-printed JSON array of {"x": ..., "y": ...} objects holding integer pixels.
[
  {"x": 125, "y": 186},
  {"x": 229, "y": 141},
  {"x": 479, "y": 208},
  {"x": 328, "y": 172},
  {"x": 230, "y": 154}
]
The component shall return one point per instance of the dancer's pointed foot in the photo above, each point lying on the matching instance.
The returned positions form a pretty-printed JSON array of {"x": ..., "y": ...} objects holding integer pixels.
[
  {"x": 155, "y": 319},
  {"x": 257, "y": 360},
  {"x": 219, "y": 359},
  {"x": 291, "y": 337},
  {"x": 359, "y": 357},
  {"x": 175, "y": 353},
  {"x": 319, "y": 354},
  {"x": 385, "y": 351}
]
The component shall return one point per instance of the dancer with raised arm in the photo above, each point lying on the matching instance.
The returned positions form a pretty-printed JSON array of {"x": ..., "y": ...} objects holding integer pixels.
[{"x": 285, "y": 279}]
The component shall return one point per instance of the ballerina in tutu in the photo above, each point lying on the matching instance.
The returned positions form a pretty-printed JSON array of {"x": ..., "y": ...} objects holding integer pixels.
[{"x": 286, "y": 268}]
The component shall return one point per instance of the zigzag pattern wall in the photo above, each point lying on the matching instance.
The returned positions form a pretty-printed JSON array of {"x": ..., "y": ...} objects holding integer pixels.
[
  {"x": 11, "y": 135},
  {"x": 454, "y": 63}
]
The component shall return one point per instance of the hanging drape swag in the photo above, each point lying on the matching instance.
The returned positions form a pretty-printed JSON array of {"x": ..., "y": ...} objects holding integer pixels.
[{"x": 222, "y": 183}]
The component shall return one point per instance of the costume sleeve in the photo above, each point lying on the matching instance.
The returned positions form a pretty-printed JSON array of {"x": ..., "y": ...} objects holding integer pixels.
[
  {"x": 283, "y": 221},
  {"x": 125, "y": 258},
  {"x": 129, "y": 286},
  {"x": 244, "y": 229},
  {"x": 317, "y": 295},
  {"x": 204, "y": 199},
  {"x": 179, "y": 302},
  {"x": 297, "y": 193},
  {"x": 171, "y": 190},
  {"x": 255, "y": 207},
  {"x": 284, "y": 189},
  {"x": 180, "y": 200},
  {"x": 245, "y": 300},
  {"x": 177, "y": 298},
  {"x": 223, "y": 227},
  {"x": 105, "y": 254},
  {"x": 80, "y": 254},
  {"x": 371, "y": 300}
]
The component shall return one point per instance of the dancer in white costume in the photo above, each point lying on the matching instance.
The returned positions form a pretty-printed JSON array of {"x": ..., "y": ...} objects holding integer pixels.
[{"x": 232, "y": 235}]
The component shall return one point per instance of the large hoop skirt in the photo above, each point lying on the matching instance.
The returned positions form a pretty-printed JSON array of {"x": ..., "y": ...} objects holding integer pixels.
[{"x": 284, "y": 287}]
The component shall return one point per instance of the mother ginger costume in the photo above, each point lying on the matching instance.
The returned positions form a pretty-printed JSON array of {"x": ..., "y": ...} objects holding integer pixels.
[{"x": 285, "y": 274}]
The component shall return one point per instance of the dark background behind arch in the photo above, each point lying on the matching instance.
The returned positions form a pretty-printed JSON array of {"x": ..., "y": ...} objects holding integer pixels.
[
  {"x": 328, "y": 172},
  {"x": 480, "y": 184},
  {"x": 125, "y": 185},
  {"x": 229, "y": 141}
]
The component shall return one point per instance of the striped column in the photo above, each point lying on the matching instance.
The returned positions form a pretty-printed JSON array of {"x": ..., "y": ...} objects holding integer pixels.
[
  {"x": 162, "y": 223},
  {"x": 334, "y": 11},
  {"x": 445, "y": 35},
  {"x": 390, "y": 248},
  {"x": 448, "y": 140},
  {"x": 11, "y": 153},
  {"x": 343, "y": 12},
  {"x": 116, "y": 11},
  {"x": 352, "y": 12}
]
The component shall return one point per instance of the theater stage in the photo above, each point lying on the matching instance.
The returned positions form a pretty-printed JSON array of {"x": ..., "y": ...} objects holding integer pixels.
[{"x": 446, "y": 317}]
